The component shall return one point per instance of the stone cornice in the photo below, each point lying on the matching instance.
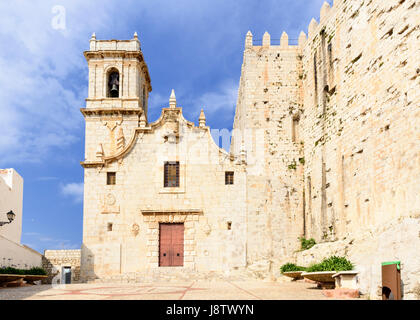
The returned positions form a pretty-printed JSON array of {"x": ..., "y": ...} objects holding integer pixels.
[
  {"x": 100, "y": 54},
  {"x": 110, "y": 111}
]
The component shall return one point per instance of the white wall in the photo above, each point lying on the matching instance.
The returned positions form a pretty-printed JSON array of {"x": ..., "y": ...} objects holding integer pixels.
[
  {"x": 11, "y": 198},
  {"x": 17, "y": 255},
  {"x": 12, "y": 253}
]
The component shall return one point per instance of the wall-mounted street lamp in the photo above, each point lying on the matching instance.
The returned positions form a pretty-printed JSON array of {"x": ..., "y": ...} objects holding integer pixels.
[{"x": 11, "y": 216}]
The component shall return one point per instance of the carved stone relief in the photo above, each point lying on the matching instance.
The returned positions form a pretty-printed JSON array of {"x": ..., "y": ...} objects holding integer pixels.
[
  {"x": 135, "y": 229},
  {"x": 109, "y": 204}
]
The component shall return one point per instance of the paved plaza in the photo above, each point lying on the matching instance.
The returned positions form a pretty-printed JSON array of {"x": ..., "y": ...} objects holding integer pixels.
[{"x": 194, "y": 290}]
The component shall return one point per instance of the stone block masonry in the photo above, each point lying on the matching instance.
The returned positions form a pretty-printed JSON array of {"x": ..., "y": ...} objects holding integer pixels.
[{"x": 54, "y": 261}]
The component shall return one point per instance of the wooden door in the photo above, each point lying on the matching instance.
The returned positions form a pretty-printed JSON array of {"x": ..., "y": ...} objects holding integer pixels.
[{"x": 171, "y": 244}]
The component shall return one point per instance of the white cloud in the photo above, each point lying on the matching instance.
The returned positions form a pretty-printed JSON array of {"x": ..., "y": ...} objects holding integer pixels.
[
  {"x": 74, "y": 190},
  {"x": 43, "y": 72},
  {"x": 158, "y": 101},
  {"x": 222, "y": 99}
]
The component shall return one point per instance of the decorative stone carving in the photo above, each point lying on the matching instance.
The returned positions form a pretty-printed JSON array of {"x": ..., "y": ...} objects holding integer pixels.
[
  {"x": 171, "y": 134},
  {"x": 142, "y": 121},
  {"x": 100, "y": 152},
  {"x": 120, "y": 140},
  {"x": 135, "y": 229},
  {"x": 111, "y": 124},
  {"x": 110, "y": 199},
  {"x": 172, "y": 99},
  {"x": 109, "y": 204},
  {"x": 171, "y": 116},
  {"x": 207, "y": 229},
  {"x": 202, "y": 119}
]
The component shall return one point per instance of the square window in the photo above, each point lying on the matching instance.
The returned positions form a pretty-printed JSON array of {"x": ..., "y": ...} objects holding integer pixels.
[
  {"x": 171, "y": 174},
  {"x": 111, "y": 178},
  {"x": 229, "y": 177}
]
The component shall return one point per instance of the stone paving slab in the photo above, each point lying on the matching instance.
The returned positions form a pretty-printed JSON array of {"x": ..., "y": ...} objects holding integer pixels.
[{"x": 193, "y": 290}]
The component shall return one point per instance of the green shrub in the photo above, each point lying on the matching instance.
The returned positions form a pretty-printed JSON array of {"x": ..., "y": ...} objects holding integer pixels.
[
  {"x": 333, "y": 263},
  {"x": 306, "y": 244},
  {"x": 36, "y": 271},
  {"x": 33, "y": 271},
  {"x": 291, "y": 267},
  {"x": 10, "y": 270}
]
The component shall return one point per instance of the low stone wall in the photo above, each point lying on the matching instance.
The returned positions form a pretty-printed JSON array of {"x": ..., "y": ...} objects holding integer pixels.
[
  {"x": 397, "y": 241},
  {"x": 54, "y": 260}
]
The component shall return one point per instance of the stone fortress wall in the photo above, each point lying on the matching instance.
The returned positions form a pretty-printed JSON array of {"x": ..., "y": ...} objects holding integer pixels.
[
  {"x": 348, "y": 105},
  {"x": 269, "y": 99}
]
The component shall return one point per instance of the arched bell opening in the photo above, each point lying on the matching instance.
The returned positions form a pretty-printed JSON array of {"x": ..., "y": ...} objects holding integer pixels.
[{"x": 113, "y": 81}]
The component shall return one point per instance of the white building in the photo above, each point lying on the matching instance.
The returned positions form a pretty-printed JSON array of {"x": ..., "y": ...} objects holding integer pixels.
[{"x": 12, "y": 252}]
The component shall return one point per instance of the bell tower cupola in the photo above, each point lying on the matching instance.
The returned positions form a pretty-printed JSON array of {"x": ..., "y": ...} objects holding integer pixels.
[
  {"x": 119, "y": 87},
  {"x": 118, "y": 75}
]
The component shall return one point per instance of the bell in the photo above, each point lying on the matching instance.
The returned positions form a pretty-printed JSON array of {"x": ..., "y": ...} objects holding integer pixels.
[{"x": 114, "y": 91}]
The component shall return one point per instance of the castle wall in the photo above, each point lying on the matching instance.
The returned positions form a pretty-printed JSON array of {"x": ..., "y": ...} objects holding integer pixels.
[
  {"x": 269, "y": 105},
  {"x": 361, "y": 116},
  {"x": 352, "y": 88}
]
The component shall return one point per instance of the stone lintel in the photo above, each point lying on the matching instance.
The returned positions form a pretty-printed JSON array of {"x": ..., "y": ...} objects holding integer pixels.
[
  {"x": 109, "y": 111},
  {"x": 172, "y": 212}
]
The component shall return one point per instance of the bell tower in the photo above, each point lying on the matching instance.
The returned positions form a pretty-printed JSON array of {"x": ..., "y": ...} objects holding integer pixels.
[{"x": 119, "y": 87}]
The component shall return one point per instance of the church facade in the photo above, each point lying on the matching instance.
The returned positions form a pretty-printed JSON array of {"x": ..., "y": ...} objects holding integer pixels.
[{"x": 157, "y": 195}]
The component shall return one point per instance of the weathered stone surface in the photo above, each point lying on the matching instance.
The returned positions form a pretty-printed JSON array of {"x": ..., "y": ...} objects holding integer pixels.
[{"x": 338, "y": 117}]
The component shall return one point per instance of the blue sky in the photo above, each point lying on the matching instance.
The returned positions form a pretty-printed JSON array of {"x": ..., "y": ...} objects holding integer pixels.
[{"x": 193, "y": 46}]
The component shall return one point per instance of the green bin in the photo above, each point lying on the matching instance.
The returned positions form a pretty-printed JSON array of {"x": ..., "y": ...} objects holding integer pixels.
[{"x": 391, "y": 280}]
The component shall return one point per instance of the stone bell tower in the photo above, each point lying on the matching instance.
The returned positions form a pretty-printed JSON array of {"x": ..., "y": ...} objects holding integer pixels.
[{"x": 119, "y": 86}]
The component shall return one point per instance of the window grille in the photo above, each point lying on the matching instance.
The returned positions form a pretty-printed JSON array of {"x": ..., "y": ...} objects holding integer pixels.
[
  {"x": 111, "y": 178},
  {"x": 171, "y": 174},
  {"x": 229, "y": 177}
]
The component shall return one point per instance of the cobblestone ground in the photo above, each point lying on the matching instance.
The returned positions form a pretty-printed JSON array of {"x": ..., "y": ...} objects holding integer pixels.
[{"x": 193, "y": 290}]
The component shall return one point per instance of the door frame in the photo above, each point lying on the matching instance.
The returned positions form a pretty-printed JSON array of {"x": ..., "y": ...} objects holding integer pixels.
[
  {"x": 171, "y": 250},
  {"x": 63, "y": 274}
]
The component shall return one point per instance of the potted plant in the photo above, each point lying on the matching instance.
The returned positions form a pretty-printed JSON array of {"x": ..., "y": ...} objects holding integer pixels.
[
  {"x": 12, "y": 276},
  {"x": 323, "y": 272},
  {"x": 293, "y": 271}
]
